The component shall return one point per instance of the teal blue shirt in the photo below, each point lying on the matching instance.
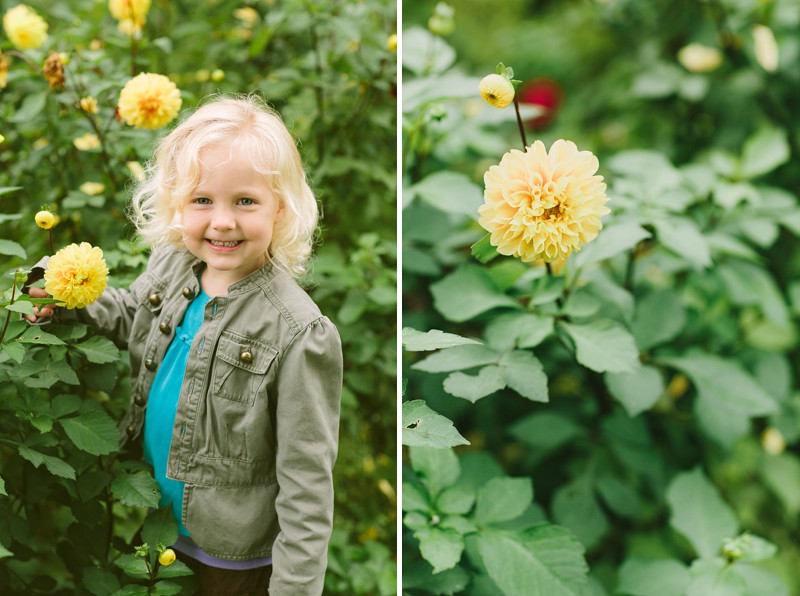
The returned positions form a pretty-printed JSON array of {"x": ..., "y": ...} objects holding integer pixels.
[{"x": 162, "y": 404}]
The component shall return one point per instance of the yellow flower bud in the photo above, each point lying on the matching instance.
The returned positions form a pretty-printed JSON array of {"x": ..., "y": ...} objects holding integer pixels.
[
  {"x": 2, "y": 139},
  {"x": 89, "y": 104},
  {"x": 496, "y": 90},
  {"x": 167, "y": 557},
  {"x": 45, "y": 220},
  {"x": 217, "y": 75},
  {"x": 391, "y": 43}
]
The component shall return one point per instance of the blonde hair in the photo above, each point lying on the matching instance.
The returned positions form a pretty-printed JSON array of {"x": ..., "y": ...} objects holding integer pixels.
[{"x": 243, "y": 123}]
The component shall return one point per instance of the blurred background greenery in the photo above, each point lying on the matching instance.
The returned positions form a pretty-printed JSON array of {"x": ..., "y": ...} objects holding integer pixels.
[{"x": 329, "y": 69}]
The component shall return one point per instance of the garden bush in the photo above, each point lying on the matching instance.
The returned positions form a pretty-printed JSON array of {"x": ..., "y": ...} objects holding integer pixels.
[
  {"x": 627, "y": 421},
  {"x": 72, "y": 506}
]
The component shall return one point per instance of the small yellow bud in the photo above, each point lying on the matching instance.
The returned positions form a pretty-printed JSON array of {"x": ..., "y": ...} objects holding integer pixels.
[
  {"x": 89, "y": 104},
  {"x": 64, "y": 57},
  {"x": 391, "y": 43},
  {"x": 217, "y": 75},
  {"x": 45, "y": 220},
  {"x": 496, "y": 90},
  {"x": 772, "y": 440},
  {"x": 92, "y": 188},
  {"x": 2, "y": 139},
  {"x": 167, "y": 557},
  {"x": 699, "y": 58}
]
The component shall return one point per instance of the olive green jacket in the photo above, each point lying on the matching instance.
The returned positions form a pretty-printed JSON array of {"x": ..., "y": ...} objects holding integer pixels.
[{"x": 256, "y": 431}]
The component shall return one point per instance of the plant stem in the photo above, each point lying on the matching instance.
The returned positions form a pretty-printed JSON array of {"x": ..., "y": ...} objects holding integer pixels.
[
  {"x": 8, "y": 312},
  {"x": 522, "y": 133},
  {"x": 52, "y": 249}
]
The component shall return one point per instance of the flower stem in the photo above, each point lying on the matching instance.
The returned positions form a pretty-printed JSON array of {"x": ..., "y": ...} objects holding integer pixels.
[
  {"x": 522, "y": 134},
  {"x": 8, "y": 312},
  {"x": 52, "y": 249}
]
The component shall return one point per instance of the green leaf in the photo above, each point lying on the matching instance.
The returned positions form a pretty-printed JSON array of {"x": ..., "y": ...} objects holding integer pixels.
[
  {"x": 177, "y": 569},
  {"x": 645, "y": 577},
  {"x": 11, "y": 248},
  {"x": 54, "y": 465},
  {"x": 455, "y": 500},
  {"x": 659, "y": 317},
  {"x": 423, "y": 427},
  {"x": 438, "y": 468},
  {"x": 442, "y": 548},
  {"x": 782, "y": 475},
  {"x": 748, "y": 547},
  {"x": 620, "y": 496},
  {"x": 764, "y": 151},
  {"x": 15, "y": 351},
  {"x": 466, "y": 293},
  {"x": 522, "y": 330},
  {"x": 36, "y": 335},
  {"x": 3, "y": 487},
  {"x": 682, "y": 236},
  {"x": 450, "y": 192},
  {"x": 165, "y": 588},
  {"x": 91, "y": 483},
  {"x": 545, "y": 560},
  {"x": 21, "y": 306},
  {"x": 604, "y": 346},
  {"x": 473, "y": 387},
  {"x": 62, "y": 405},
  {"x": 160, "y": 527},
  {"x": 94, "y": 432},
  {"x": 713, "y": 577},
  {"x": 133, "y": 566},
  {"x": 524, "y": 374},
  {"x": 418, "y": 341},
  {"x": 576, "y": 507},
  {"x": 611, "y": 241},
  {"x": 503, "y": 499},
  {"x": 98, "y": 350},
  {"x": 457, "y": 358},
  {"x": 636, "y": 391},
  {"x": 759, "y": 581},
  {"x": 546, "y": 430},
  {"x": 31, "y": 107},
  {"x": 483, "y": 250},
  {"x": 100, "y": 582},
  {"x": 4, "y": 552},
  {"x": 132, "y": 590},
  {"x": 699, "y": 513},
  {"x": 136, "y": 490},
  {"x": 415, "y": 498},
  {"x": 419, "y": 575}
]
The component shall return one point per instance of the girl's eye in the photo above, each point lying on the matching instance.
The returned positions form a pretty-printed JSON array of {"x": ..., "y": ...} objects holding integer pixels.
[
  {"x": 202, "y": 201},
  {"x": 246, "y": 201}
]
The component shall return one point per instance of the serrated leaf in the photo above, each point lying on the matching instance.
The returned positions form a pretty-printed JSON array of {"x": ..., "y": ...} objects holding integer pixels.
[
  {"x": 524, "y": 374},
  {"x": 546, "y": 430},
  {"x": 438, "y": 468},
  {"x": 133, "y": 566},
  {"x": 646, "y": 577},
  {"x": 451, "y": 192},
  {"x": 764, "y": 151},
  {"x": 36, "y": 335},
  {"x": 420, "y": 575},
  {"x": 542, "y": 561},
  {"x": 455, "y": 500},
  {"x": 473, "y": 387},
  {"x": 442, "y": 548},
  {"x": 660, "y": 316},
  {"x": 699, "y": 513},
  {"x": 466, "y": 293},
  {"x": 610, "y": 242},
  {"x": 54, "y": 465},
  {"x": 415, "y": 498},
  {"x": 522, "y": 330},
  {"x": 604, "y": 346},
  {"x": 100, "y": 582},
  {"x": 98, "y": 350},
  {"x": 21, "y": 306},
  {"x": 94, "y": 432},
  {"x": 160, "y": 527},
  {"x": 425, "y": 428},
  {"x": 503, "y": 499},
  {"x": 15, "y": 351},
  {"x": 713, "y": 577},
  {"x": 575, "y": 506},
  {"x": 136, "y": 490},
  {"x": 177, "y": 569},
  {"x": 165, "y": 588},
  {"x": 682, "y": 236},
  {"x": 457, "y": 358},
  {"x": 418, "y": 341}
]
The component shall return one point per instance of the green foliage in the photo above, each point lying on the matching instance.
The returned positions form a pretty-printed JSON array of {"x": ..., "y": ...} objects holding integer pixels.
[
  {"x": 647, "y": 388},
  {"x": 71, "y": 501}
]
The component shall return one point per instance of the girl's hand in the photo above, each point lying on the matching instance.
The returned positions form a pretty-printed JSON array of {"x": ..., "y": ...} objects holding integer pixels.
[{"x": 39, "y": 312}]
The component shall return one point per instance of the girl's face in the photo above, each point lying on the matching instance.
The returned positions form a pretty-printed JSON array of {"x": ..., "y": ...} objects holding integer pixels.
[{"x": 229, "y": 217}]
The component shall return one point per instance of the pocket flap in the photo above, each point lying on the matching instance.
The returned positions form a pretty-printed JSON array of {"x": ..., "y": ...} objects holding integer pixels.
[{"x": 245, "y": 353}]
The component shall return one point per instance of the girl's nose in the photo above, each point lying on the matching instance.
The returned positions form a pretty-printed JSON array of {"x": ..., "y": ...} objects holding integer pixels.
[{"x": 223, "y": 219}]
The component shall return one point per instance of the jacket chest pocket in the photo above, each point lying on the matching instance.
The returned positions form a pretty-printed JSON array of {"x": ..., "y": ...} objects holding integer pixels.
[{"x": 241, "y": 366}]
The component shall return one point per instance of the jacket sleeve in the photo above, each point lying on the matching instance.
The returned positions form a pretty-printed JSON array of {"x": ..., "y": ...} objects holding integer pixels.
[{"x": 309, "y": 386}]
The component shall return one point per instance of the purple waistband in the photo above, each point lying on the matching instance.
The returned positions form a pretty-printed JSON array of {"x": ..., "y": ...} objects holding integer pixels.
[{"x": 187, "y": 546}]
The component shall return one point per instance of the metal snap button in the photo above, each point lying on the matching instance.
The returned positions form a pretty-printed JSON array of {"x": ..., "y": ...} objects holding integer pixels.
[
  {"x": 154, "y": 299},
  {"x": 131, "y": 430},
  {"x": 187, "y": 293},
  {"x": 164, "y": 328},
  {"x": 246, "y": 356},
  {"x": 139, "y": 400},
  {"x": 150, "y": 364}
]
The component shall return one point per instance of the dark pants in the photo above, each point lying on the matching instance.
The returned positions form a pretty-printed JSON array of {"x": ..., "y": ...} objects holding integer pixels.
[{"x": 228, "y": 582}]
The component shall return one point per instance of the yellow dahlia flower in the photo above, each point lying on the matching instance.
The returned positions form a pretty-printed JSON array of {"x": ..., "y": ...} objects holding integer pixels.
[
  {"x": 89, "y": 104},
  {"x": 86, "y": 142},
  {"x": 698, "y": 58},
  {"x": 497, "y": 90},
  {"x": 45, "y": 219},
  {"x": 3, "y": 70},
  {"x": 543, "y": 206},
  {"x": 24, "y": 27},
  {"x": 149, "y": 101},
  {"x": 131, "y": 14},
  {"x": 76, "y": 275}
]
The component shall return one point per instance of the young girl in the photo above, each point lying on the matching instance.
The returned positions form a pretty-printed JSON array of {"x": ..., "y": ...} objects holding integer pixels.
[{"x": 236, "y": 375}]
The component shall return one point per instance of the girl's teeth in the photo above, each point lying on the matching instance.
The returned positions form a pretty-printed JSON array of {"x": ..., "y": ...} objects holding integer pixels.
[{"x": 226, "y": 244}]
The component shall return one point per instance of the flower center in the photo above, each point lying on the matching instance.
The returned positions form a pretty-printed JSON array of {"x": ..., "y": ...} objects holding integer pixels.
[{"x": 552, "y": 212}]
